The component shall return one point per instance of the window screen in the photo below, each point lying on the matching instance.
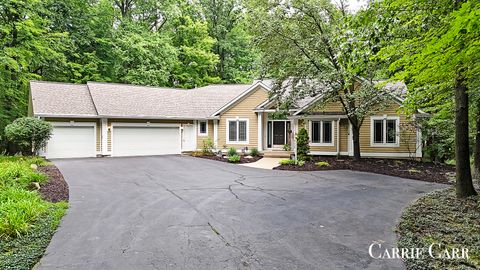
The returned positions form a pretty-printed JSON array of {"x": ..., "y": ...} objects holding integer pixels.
[
  {"x": 242, "y": 131},
  {"x": 327, "y": 131},
  {"x": 378, "y": 131},
  {"x": 315, "y": 131},
  {"x": 232, "y": 131},
  {"x": 391, "y": 131}
]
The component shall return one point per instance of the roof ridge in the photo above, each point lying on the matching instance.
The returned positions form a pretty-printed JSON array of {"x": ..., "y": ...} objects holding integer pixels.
[
  {"x": 138, "y": 85},
  {"x": 69, "y": 83},
  {"x": 92, "y": 99}
]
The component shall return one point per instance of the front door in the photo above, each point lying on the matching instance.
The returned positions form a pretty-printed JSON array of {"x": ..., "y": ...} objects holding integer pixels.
[
  {"x": 188, "y": 140},
  {"x": 279, "y": 133}
]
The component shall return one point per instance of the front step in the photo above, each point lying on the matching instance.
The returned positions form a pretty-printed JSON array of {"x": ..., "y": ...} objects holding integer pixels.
[{"x": 277, "y": 154}]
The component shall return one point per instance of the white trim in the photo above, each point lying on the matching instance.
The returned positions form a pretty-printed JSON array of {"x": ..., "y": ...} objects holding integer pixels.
[
  {"x": 147, "y": 124},
  {"x": 228, "y": 130},
  {"x": 260, "y": 131},
  {"x": 320, "y": 116},
  {"x": 284, "y": 132},
  {"x": 338, "y": 136},
  {"x": 350, "y": 139},
  {"x": 328, "y": 153},
  {"x": 77, "y": 124},
  {"x": 104, "y": 137},
  {"x": 310, "y": 130},
  {"x": 400, "y": 155},
  {"x": 418, "y": 144},
  {"x": 200, "y": 134},
  {"x": 397, "y": 131},
  {"x": 239, "y": 97},
  {"x": 215, "y": 133}
]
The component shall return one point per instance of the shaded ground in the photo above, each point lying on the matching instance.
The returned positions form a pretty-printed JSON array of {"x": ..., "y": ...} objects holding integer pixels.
[
  {"x": 243, "y": 159},
  {"x": 443, "y": 219},
  {"x": 425, "y": 171},
  {"x": 55, "y": 189},
  {"x": 179, "y": 212}
]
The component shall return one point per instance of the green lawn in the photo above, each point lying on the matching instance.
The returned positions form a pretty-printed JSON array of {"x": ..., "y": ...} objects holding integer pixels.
[
  {"x": 441, "y": 218},
  {"x": 27, "y": 222}
]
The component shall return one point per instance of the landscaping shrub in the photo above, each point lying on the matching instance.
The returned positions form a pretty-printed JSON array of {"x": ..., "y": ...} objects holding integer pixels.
[
  {"x": 208, "y": 146},
  {"x": 322, "y": 164},
  {"x": 29, "y": 134},
  {"x": 234, "y": 158},
  {"x": 18, "y": 173},
  {"x": 232, "y": 152},
  {"x": 18, "y": 209},
  {"x": 303, "y": 147},
  {"x": 287, "y": 147},
  {"x": 254, "y": 152},
  {"x": 287, "y": 162}
]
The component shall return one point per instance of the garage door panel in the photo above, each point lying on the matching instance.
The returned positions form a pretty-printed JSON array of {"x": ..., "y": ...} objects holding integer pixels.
[
  {"x": 144, "y": 141},
  {"x": 71, "y": 142}
]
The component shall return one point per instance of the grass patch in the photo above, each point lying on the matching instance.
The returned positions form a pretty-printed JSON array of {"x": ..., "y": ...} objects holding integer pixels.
[
  {"x": 27, "y": 222},
  {"x": 322, "y": 164},
  {"x": 439, "y": 217}
]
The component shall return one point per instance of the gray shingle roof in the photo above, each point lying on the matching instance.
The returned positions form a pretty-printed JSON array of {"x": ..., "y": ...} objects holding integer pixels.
[
  {"x": 61, "y": 99},
  {"x": 131, "y": 101}
]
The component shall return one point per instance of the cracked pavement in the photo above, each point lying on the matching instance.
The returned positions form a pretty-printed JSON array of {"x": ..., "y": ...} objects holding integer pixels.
[{"x": 178, "y": 212}]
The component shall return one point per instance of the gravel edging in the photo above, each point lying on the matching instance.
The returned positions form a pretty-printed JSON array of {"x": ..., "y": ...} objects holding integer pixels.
[{"x": 56, "y": 188}]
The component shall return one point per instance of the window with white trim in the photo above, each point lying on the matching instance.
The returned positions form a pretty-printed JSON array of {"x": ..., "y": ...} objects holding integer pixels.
[
  {"x": 321, "y": 132},
  {"x": 385, "y": 131},
  {"x": 202, "y": 128},
  {"x": 237, "y": 131}
]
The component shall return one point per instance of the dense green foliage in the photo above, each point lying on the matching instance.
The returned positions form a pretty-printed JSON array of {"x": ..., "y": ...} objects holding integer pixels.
[
  {"x": 232, "y": 151},
  {"x": 27, "y": 222},
  {"x": 29, "y": 134},
  {"x": 254, "y": 152},
  {"x": 303, "y": 145},
  {"x": 442, "y": 219},
  {"x": 160, "y": 43},
  {"x": 234, "y": 158}
]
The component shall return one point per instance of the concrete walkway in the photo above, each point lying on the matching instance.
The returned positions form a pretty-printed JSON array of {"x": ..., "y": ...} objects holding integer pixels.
[{"x": 264, "y": 163}]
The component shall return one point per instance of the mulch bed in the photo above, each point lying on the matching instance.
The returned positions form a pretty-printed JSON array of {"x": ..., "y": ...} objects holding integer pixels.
[
  {"x": 424, "y": 171},
  {"x": 55, "y": 189},
  {"x": 242, "y": 159}
]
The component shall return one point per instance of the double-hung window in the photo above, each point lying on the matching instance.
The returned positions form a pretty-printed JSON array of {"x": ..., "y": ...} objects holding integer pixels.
[
  {"x": 237, "y": 131},
  {"x": 202, "y": 128},
  {"x": 321, "y": 132},
  {"x": 385, "y": 131}
]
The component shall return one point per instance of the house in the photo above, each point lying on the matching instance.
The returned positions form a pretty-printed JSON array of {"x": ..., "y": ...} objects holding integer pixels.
[{"x": 109, "y": 119}]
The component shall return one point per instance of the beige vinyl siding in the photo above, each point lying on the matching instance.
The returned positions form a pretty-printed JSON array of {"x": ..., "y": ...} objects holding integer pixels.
[
  {"x": 110, "y": 121},
  {"x": 97, "y": 127},
  {"x": 200, "y": 139},
  {"x": 244, "y": 110},
  {"x": 331, "y": 107},
  {"x": 407, "y": 140}
]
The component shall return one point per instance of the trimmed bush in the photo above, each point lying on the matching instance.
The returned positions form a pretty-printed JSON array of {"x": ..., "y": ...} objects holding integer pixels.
[
  {"x": 254, "y": 152},
  {"x": 322, "y": 164},
  {"x": 232, "y": 152},
  {"x": 29, "y": 134},
  {"x": 303, "y": 147},
  {"x": 234, "y": 159}
]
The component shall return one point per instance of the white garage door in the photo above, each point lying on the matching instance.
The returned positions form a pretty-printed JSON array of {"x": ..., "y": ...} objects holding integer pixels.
[
  {"x": 71, "y": 142},
  {"x": 144, "y": 141}
]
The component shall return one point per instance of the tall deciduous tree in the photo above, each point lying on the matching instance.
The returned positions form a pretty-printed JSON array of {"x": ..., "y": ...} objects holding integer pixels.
[
  {"x": 324, "y": 50},
  {"x": 442, "y": 60}
]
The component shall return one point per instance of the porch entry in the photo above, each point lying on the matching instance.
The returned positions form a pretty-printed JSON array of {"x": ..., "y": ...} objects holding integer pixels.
[{"x": 278, "y": 133}]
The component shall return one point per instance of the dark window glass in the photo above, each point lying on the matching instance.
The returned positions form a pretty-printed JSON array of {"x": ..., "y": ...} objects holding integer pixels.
[
  {"x": 203, "y": 127},
  {"x": 391, "y": 131},
  {"x": 232, "y": 131},
  {"x": 315, "y": 132},
  {"x": 327, "y": 132},
  {"x": 242, "y": 131},
  {"x": 378, "y": 131}
]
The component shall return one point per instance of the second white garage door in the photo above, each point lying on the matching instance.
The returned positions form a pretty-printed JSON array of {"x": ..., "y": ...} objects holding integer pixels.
[{"x": 144, "y": 141}]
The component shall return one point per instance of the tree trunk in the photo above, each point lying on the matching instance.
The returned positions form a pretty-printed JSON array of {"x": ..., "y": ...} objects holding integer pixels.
[
  {"x": 464, "y": 185},
  {"x": 356, "y": 141},
  {"x": 476, "y": 151}
]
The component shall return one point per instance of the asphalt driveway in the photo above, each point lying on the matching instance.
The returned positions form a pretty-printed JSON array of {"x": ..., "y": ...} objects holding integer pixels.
[{"x": 176, "y": 212}]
